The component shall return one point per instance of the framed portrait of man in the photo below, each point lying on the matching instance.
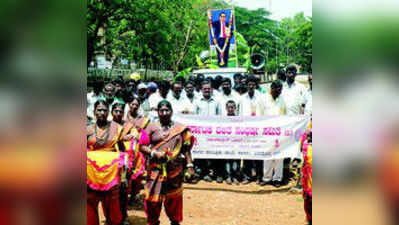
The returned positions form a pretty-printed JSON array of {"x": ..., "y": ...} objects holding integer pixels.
[{"x": 221, "y": 33}]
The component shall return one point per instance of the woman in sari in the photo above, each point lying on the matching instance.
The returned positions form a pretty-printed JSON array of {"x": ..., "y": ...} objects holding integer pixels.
[
  {"x": 306, "y": 148},
  {"x": 131, "y": 139},
  {"x": 169, "y": 142},
  {"x": 104, "y": 163},
  {"x": 135, "y": 124},
  {"x": 117, "y": 112},
  {"x": 388, "y": 171}
]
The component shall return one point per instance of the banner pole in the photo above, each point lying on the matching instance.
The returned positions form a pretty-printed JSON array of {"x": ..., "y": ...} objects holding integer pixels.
[
  {"x": 209, "y": 27},
  {"x": 235, "y": 38}
]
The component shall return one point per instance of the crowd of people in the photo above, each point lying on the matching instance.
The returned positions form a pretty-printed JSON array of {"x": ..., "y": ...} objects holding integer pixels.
[{"x": 132, "y": 137}]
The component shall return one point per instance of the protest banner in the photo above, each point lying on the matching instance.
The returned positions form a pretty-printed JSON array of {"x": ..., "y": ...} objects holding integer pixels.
[{"x": 257, "y": 138}]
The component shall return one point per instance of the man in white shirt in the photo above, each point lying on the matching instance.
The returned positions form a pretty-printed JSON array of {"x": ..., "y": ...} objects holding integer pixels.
[
  {"x": 274, "y": 106},
  {"x": 237, "y": 83},
  {"x": 227, "y": 95},
  {"x": 251, "y": 104},
  {"x": 142, "y": 90},
  {"x": 240, "y": 89},
  {"x": 198, "y": 81},
  {"x": 308, "y": 98},
  {"x": 293, "y": 93},
  {"x": 180, "y": 104},
  {"x": 274, "y": 101},
  {"x": 191, "y": 94},
  {"x": 109, "y": 95},
  {"x": 155, "y": 98},
  {"x": 281, "y": 75},
  {"x": 237, "y": 79},
  {"x": 206, "y": 106},
  {"x": 308, "y": 106},
  {"x": 92, "y": 97}
]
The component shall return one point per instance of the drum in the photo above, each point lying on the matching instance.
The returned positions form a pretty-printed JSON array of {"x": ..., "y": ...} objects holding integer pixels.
[{"x": 104, "y": 169}]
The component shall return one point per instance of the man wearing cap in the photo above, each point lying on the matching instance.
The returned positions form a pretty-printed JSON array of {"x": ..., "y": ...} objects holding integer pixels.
[
  {"x": 152, "y": 88},
  {"x": 109, "y": 97},
  {"x": 161, "y": 94},
  {"x": 142, "y": 94}
]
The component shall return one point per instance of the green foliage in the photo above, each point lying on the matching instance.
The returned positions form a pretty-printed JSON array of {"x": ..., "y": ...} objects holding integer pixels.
[
  {"x": 200, "y": 64},
  {"x": 243, "y": 50},
  {"x": 170, "y": 34},
  {"x": 184, "y": 73}
]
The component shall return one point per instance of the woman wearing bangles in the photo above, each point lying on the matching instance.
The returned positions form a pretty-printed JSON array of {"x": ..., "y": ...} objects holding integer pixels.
[
  {"x": 135, "y": 124},
  {"x": 128, "y": 145},
  {"x": 104, "y": 162},
  {"x": 169, "y": 141}
]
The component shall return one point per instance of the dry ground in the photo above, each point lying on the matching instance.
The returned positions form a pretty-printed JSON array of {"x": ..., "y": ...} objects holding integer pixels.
[{"x": 222, "y": 204}]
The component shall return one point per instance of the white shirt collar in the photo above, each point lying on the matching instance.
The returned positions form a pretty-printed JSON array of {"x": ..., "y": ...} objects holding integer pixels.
[{"x": 209, "y": 100}]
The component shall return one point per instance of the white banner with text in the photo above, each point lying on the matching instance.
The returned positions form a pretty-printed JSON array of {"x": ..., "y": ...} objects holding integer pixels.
[{"x": 257, "y": 138}]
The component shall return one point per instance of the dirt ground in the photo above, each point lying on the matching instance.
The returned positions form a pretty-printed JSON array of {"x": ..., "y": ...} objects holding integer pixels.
[{"x": 222, "y": 204}]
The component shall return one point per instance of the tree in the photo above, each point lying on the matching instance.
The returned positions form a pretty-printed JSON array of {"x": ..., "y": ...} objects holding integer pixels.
[
  {"x": 298, "y": 38},
  {"x": 98, "y": 16},
  {"x": 169, "y": 34}
]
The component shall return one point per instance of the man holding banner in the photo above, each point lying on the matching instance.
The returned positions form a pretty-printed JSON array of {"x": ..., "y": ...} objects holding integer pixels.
[
  {"x": 221, "y": 32},
  {"x": 251, "y": 104},
  {"x": 274, "y": 106},
  {"x": 206, "y": 105}
]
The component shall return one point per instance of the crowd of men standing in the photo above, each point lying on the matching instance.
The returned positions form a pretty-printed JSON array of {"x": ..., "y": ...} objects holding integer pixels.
[{"x": 219, "y": 96}]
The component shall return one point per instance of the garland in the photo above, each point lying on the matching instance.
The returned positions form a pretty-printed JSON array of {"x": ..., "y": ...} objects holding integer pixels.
[{"x": 221, "y": 51}]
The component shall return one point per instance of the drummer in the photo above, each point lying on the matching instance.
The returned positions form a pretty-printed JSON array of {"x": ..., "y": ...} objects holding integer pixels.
[{"x": 102, "y": 139}]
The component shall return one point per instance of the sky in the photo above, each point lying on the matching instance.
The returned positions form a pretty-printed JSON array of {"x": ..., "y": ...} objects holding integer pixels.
[{"x": 279, "y": 8}]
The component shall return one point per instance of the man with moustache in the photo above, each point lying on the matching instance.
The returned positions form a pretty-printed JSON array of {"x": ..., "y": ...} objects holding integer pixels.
[
  {"x": 226, "y": 95},
  {"x": 251, "y": 104},
  {"x": 293, "y": 92},
  {"x": 191, "y": 94},
  {"x": 180, "y": 104},
  {"x": 274, "y": 106},
  {"x": 206, "y": 106}
]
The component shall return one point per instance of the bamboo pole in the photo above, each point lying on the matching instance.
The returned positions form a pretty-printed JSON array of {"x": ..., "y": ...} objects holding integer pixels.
[
  {"x": 209, "y": 27},
  {"x": 235, "y": 38}
]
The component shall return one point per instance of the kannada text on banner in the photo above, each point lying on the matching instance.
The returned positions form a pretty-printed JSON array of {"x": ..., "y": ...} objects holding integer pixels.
[{"x": 257, "y": 138}]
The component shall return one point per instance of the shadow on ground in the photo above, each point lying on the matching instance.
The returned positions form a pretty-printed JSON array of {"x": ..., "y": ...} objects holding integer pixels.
[
  {"x": 286, "y": 189},
  {"x": 137, "y": 220}
]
